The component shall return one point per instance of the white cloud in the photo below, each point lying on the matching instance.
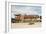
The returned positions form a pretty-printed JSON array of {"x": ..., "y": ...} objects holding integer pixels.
[{"x": 28, "y": 12}]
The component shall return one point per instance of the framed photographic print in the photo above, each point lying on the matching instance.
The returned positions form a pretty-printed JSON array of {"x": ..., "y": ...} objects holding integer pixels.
[{"x": 22, "y": 15}]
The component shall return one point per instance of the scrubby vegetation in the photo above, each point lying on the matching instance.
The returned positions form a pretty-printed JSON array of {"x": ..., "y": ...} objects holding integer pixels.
[{"x": 26, "y": 19}]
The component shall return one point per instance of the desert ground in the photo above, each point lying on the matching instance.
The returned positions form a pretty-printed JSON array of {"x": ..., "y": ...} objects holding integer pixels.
[{"x": 25, "y": 25}]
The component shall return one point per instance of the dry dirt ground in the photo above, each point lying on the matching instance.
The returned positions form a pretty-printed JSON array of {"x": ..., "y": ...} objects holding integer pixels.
[{"x": 25, "y": 25}]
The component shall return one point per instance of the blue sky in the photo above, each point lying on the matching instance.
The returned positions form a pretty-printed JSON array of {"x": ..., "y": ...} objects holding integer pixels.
[{"x": 24, "y": 9}]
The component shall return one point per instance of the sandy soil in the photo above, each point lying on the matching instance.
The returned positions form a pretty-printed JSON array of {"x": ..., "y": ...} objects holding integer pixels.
[{"x": 25, "y": 25}]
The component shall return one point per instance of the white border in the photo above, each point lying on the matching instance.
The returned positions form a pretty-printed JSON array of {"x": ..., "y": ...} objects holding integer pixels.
[{"x": 9, "y": 17}]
